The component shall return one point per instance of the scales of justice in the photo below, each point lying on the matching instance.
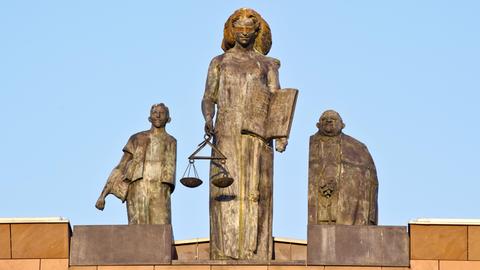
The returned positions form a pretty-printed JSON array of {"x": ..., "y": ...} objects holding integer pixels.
[{"x": 193, "y": 181}]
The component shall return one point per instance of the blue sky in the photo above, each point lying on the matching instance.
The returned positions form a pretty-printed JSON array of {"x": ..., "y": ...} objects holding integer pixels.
[{"x": 77, "y": 78}]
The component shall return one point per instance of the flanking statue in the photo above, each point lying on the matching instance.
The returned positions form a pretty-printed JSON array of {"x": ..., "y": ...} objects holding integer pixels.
[
  {"x": 252, "y": 112},
  {"x": 145, "y": 176},
  {"x": 342, "y": 179}
]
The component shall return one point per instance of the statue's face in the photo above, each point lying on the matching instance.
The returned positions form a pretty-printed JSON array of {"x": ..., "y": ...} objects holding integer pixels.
[
  {"x": 330, "y": 124},
  {"x": 245, "y": 30},
  {"x": 159, "y": 116}
]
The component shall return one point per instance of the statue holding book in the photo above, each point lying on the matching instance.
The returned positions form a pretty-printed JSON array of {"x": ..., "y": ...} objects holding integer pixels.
[{"x": 252, "y": 112}]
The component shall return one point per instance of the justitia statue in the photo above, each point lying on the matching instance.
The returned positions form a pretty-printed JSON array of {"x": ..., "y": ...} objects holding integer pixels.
[
  {"x": 243, "y": 89},
  {"x": 342, "y": 179},
  {"x": 145, "y": 176}
]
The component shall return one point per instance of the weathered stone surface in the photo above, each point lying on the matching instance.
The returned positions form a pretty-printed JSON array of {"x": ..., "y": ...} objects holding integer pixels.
[
  {"x": 299, "y": 252},
  {"x": 203, "y": 251},
  {"x": 44, "y": 241},
  {"x": 342, "y": 179},
  {"x": 54, "y": 264},
  {"x": 187, "y": 252},
  {"x": 20, "y": 264},
  {"x": 145, "y": 176},
  {"x": 121, "y": 245},
  {"x": 424, "y": 265},
  {"x": 473, "y": 243},
  {"x": 438, "y": 242},
  {"x": 459, "y": 265},
  {"x": 357, "y": 245},
  {"x": 282, "y": 251},
  {"x": 252, "y": 111},
  {"x": 5, "y": 251}
]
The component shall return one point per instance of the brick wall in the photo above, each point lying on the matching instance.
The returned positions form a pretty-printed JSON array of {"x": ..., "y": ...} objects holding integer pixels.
[
  {"x": 45, "y": 246},
  {"x": 34, "y": 246}
]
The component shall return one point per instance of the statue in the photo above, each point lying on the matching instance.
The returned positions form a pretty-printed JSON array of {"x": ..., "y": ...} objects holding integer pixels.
[
  {"x": 251, "y": 111},
  {"x": 145, "y": 176},
  {"x": 342, "y": 179}
]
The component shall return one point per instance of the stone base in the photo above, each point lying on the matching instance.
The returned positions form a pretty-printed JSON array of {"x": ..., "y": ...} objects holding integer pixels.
[
  {"x": 121, "y": 245},
  {"x": 357, "y": 245}
]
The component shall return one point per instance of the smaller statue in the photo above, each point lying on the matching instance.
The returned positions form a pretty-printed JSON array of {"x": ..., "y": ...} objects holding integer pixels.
[
  {"x": 145, "y": 176},
  {"x": 342, "y": 179}
]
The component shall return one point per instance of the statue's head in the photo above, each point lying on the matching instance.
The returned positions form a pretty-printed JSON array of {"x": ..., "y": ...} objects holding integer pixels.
[
  {"x": 330, "y": 123},
  {"x": 245, "y": 26},
  {"x": 159, "y": 115}
]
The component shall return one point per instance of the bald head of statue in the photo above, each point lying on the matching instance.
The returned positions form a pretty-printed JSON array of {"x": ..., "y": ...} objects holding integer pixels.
[{"x": 330, "y": 123}]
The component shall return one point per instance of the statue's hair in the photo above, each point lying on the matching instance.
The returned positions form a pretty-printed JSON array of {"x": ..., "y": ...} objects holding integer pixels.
[
  {"x": 263, "y": 41},
  {"x": 160, "y": 105}
]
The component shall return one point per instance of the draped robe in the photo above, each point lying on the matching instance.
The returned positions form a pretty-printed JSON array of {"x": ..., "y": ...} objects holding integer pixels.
[
  {"x": 241, "y": 84},
  {"x": 346, "y": 162}
]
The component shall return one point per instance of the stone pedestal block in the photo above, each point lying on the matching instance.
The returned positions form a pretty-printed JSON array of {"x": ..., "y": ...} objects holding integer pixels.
[
  {"x": 121, "y": 245},
  {"x": 357, "y": 245},
  {"x": 5, "y": 251},
  {"x": 40, "y": 240},
  {"x": 439, "y": 242}
]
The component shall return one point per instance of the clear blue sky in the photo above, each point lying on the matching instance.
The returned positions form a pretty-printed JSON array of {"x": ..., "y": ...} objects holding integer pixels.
[{"x": 77, "y": 78}]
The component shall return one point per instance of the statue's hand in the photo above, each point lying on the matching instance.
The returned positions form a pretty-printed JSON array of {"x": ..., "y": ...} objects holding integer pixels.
[
  {"x": 100, "y": 205},
  {"x": 209, "y": 129},
  {"x": 281, "y": 144}
]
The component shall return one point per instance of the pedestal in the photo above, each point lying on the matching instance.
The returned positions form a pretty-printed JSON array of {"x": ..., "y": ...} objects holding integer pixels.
[
  {"x": 121, "y": 245},
  {"x": 357, "y": 245}
]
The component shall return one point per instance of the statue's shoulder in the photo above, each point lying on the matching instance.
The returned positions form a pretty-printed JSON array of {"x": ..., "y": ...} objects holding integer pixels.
[
  {"x": 171, "y": 139},
  {"x": 136, "y": 140},
  {"x": 356, "y": 146},
  {"x": 139, "y": 136},
  {"x": 273, "y": 61},
  {"x": 315, "y": 137},
  {"x": 217, "y": 59},
  {"x": 350, "y": 140}
]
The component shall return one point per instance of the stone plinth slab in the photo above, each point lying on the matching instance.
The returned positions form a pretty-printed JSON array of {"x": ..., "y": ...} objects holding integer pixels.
[
  {"x": 5, "y": 252},
  {"x": 54, "y": 264},
  {"x": 473, "y": 243},
  {"x": 40, "y": 241},
  {"x": 423, "y": 264},
  {"x": 459, "y": 265},
  {"x": 121, "y": 245},
  {"x": 29, "y": 264},
  {"x": 344, "y": 245},
  {"x": 438, "y": 242}
]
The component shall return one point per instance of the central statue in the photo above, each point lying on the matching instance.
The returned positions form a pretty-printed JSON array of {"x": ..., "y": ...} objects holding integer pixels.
[{"x": 243, "y": 90}]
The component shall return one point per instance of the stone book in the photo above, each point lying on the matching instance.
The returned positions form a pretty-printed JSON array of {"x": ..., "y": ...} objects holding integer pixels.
[{"x": 270, "y": 119}]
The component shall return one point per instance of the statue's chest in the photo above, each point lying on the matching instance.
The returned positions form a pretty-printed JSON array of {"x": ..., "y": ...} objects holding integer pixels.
[{"x": 244, "y": 68}]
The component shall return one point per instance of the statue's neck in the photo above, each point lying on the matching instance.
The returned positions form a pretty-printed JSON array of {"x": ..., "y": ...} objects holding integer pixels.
[
  {"x": 240, "y": 48},
  {"x": 157, "y": 131}
]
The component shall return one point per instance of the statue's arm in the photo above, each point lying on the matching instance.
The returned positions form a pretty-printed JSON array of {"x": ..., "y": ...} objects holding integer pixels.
[
  {"x": 210, "y": 96},
  {"x": 272, "y": 76},
  {"x": 100, "y": 205},
  {"x": 171, "y": 165},
  {"x": 274, "y": 86}
]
